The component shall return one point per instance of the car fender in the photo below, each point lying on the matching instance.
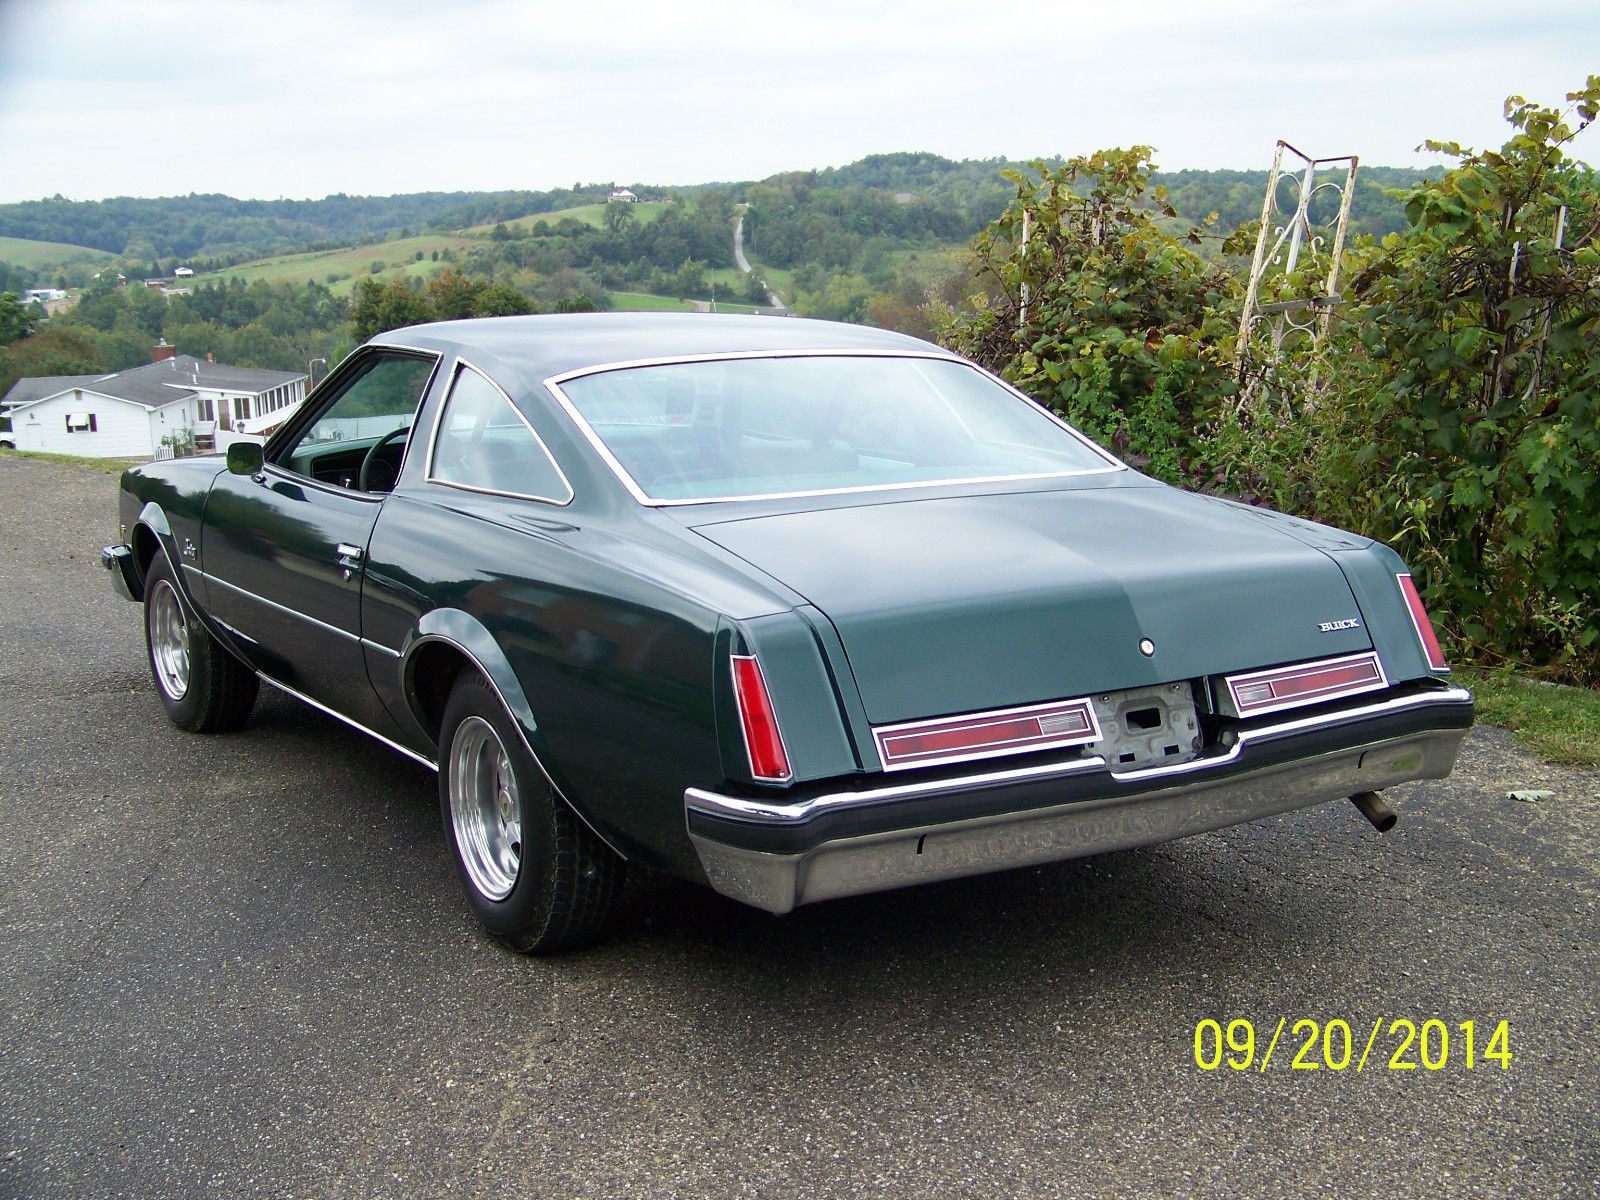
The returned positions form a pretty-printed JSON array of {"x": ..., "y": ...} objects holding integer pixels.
[
  {"x": 466, "y": 634},
  {"x": 154, "y": 519}
]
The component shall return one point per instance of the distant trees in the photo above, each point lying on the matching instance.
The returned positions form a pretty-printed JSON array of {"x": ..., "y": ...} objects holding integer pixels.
[
  {"x": 16, "y": 320},
  {"x": 618, "y": 217},
  {"x": 53, "y": 352},
  {"x": 451, "y": 296},
  {"x": 379, "y": 307},
  {"x": 188, "y": 226},
  {"x": 272, "y": 326},
  {"x": 790, "y": 221},
  {"x": 16, "y": 279}
]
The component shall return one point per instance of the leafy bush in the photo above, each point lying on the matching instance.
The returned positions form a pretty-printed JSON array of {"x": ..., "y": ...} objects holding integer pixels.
[
  {"x": 1116, "y": 324},
  {"x": 1464, "y": 394},
  {"x": 1449, "y": 411}
]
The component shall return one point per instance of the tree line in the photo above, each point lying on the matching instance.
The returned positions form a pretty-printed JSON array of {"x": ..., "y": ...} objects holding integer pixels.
[{"x": 278, "y": 327}]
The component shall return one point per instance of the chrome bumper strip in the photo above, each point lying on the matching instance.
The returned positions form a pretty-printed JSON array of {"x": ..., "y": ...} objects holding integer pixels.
[
  {"x": 1162, "y": 803},
  {"x": 118, "y": 560}
]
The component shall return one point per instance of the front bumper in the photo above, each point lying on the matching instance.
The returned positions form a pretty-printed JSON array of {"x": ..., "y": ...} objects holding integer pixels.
[
  {"x": 124, "y": 572},
  {"x": 825, "y": 844}
]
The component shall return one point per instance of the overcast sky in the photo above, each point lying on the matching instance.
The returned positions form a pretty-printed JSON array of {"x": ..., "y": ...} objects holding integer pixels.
[{"x": 302, "y": 98}]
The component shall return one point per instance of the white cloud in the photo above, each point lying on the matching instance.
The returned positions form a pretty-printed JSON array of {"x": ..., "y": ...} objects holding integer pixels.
[{"x": 302, "y": 98}]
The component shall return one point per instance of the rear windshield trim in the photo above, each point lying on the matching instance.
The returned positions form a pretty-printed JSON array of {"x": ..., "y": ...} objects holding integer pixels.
[{"x": 554, "y": 382}]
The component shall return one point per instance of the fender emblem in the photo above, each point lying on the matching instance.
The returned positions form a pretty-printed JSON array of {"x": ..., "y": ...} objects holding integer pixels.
[
  {"x": 1332, "y": 626},
  {"x": 188, "y": 548}
]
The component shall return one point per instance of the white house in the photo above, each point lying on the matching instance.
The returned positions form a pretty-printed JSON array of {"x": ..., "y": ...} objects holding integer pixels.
[
  {"x": 130, "y": 414},
  {"x": 622, "y": 196}
]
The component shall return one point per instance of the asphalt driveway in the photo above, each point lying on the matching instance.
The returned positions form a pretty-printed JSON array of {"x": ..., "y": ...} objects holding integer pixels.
[{"x": 240, "y": 966}]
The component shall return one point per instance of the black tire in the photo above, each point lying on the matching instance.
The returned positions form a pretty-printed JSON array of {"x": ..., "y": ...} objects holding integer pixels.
[
  {"x": 534, "y": 875},
  {"x": 203, "y": 688}
]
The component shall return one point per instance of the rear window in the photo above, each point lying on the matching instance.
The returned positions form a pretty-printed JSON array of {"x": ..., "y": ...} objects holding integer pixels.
[{"x": 730, "y": 428}]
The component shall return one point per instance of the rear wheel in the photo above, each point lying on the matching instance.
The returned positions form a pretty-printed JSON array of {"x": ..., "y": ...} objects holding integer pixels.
[
  {"x": 534, "y": 874},
  {"x": 203, "y": 688}
]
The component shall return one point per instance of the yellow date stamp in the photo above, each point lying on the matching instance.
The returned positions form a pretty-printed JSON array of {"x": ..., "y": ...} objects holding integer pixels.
[{"x": 1401, "y": 1044}]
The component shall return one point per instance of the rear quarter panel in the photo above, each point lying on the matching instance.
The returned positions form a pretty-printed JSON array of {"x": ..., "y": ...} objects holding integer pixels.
[{"x": 617, "y": 666}]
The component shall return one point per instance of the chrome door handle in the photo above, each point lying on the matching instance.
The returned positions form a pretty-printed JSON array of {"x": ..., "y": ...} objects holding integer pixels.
[{"x": 349, "y": 558}]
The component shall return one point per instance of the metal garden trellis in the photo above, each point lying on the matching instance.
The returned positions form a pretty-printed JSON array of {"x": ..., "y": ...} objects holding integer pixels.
[{"x": 1286, "y": 314}]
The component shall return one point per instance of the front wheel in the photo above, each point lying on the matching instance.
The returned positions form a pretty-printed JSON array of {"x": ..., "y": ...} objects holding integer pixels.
[
  {"x": 203, "y": 688},
  {"x": 534, "y": 874}
]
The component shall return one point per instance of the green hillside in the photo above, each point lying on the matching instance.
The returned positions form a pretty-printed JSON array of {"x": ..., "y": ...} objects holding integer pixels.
[
  {"x": 38, "y": 256},
  {"x": 593, "y": 215},
  {"x": 339, "y": 268}
]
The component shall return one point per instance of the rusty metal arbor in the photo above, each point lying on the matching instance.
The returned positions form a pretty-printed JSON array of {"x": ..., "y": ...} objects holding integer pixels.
[{"x": 1290, "y": 240}]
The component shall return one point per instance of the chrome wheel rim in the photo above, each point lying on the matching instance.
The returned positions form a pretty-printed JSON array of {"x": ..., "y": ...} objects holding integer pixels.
[
  {"x": 485, "y": 808},
  {"x": 169, "y": 641}
]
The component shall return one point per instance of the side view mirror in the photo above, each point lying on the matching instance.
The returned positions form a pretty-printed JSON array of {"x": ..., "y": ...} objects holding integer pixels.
[{"x": 244, "y": 458}]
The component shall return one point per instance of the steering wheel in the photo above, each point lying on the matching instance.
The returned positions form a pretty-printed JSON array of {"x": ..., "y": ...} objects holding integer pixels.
[{"x": 364, "y": 478}]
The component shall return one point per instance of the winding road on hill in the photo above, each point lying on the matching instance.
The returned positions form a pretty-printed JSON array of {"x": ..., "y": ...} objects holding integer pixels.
[{"x": 744, "y": 263}]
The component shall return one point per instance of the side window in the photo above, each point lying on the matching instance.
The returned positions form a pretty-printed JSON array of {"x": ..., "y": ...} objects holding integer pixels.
[
  {"x": 362, "y": 429},
  {"x": 485, "y": 444}
]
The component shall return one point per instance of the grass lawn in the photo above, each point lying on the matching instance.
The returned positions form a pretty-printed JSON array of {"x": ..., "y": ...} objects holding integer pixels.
[
  {"x": 1561, "y": 724},
  {"x": 930, "y": 266},
  {"x": 644, "y": 302},
  {"x": 106, "y": 466},
  {"x": 35, "y": 256},
  {"x": 398, "y": 258},
  {"x": 779, "y": 279},
  {"x": 644, "y": 212}
]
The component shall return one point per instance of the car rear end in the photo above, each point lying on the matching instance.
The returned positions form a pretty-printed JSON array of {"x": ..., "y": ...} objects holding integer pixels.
[{"x": 823, "y": 799}]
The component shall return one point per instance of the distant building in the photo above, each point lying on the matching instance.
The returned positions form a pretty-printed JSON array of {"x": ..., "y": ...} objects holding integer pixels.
[
  {"x": 622, "y": 196},
  {"x": 130, "y": 414},
  {"x": 183, "y": 273},
  {"x": 43, "y": 295}
]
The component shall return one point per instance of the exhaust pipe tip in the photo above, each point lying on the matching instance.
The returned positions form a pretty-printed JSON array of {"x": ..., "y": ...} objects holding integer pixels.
[{"x": 1375, "y": 810}]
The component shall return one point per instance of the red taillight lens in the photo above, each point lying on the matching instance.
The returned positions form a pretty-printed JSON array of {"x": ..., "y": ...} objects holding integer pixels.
[
  {"x": 1419, "y": 618},
  {"x": 757, "y": 720},
  {"x": 987, "y": 734},
  {"x": 1306, "y": 683}
]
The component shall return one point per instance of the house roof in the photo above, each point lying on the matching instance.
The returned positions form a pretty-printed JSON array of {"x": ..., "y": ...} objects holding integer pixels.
[
  {"x": 41, "y": 387},
  {"x": 154, "y": 384}
]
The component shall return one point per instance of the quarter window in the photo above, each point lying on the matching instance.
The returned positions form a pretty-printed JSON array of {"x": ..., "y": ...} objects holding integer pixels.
[{"x": 485, "y": 444}]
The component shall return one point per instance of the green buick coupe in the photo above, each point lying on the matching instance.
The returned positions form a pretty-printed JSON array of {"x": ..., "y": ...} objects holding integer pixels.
[{"x": 794, "y": 609}]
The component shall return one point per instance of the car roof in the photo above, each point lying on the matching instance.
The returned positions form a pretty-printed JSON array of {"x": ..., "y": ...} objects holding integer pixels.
[{"x": 537, "y": 347}]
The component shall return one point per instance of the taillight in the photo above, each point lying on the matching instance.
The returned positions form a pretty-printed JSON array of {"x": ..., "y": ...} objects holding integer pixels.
[
  {"x": 762, "y": 740},
  {"x": 987, "y": 734},
  {"x": 1424, "y": 627},
  {"x": 1305, "y": 683}
]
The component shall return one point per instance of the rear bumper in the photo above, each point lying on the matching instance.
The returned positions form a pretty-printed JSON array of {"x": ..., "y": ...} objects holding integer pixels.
[
  {"x": 776, "y": 854},
  {"x": 124, "y": 573}
]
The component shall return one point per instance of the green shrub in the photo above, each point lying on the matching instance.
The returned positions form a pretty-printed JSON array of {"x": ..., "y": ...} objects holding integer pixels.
[{"x": 1114, "y": 323}]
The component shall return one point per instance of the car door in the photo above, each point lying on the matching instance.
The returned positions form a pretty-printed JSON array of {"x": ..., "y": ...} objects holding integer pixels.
[{"x": 283, "y": 551}]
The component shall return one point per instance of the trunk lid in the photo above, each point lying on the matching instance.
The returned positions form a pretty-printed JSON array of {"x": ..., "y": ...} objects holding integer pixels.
[{"x": 967, "y": 603}]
